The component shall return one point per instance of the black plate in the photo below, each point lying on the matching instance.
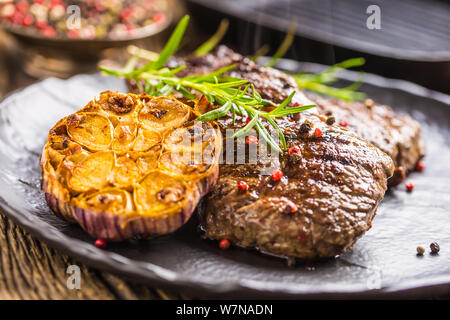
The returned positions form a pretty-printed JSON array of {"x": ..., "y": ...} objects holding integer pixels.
[{"x": 383, "y": 263}]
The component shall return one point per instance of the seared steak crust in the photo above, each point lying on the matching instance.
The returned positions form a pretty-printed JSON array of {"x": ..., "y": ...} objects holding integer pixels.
[
  {"x": 330, "y": 190},
  {"x": 397, "y": 135},
  {"x": 325, "y": 201}
]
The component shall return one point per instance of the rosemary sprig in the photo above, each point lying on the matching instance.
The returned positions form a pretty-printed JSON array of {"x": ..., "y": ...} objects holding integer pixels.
[
  {"x": 212, "y": 42},
  {"x": 262, "y": 51},
  {"x": 219, "y": 89},
  {"x": 319, "y": 82},
  {"x": 285, "y": 45}
]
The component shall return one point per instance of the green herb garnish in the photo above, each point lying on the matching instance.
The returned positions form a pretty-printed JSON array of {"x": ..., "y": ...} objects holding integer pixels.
[
  {"x": 316, "y": 82},
  {"x": 285, "y": 45},
  {"x": 260, "y": 52},
  {"x": 319, "y": 82},
  {"x": 212, "y": 42},
  {"x": 156, "y": 79}
]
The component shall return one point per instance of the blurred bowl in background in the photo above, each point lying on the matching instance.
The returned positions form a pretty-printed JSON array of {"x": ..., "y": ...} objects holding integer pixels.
[{"x": 64, "y": 52}]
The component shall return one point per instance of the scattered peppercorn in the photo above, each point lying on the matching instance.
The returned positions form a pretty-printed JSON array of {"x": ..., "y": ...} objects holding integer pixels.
[
  {"x": 252, "y": 140},
  {"x": 420, "y": 166},
  {"x": 305, "y": 127},
  {"x": 331, "y": 120},
  {"x": 290, "y": 208},
  {"x": 435, "y": 248},
  {"x": 409, "y": 186},
  {"x": 247, "y": 120},
  {"x": 420, "y": 250},
  {"x": 369, "y": 103},
  {"x": 343, "y": 123},
  {"x": 100, "y": 243},
  {"x": 224, "y": 244},
  {"x": 318, "y": 133},
  {"x": 277, "y": 174},
  {"x": 242, "y": 186},
  {"x": 293, "y": 150}
]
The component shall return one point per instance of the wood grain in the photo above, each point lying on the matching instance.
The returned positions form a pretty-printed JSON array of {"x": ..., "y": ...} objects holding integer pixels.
[{"x": 29, "y": 269}]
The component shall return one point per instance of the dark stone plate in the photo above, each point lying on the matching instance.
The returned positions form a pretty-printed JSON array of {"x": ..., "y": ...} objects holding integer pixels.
[{"x": 383, "y": 263}]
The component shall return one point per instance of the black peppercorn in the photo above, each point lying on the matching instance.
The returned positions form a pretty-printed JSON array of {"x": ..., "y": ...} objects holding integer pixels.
[
  {"x": 331, "y": 120},
  {"x": 369, "y": 103},
  {"x": 434, "y": 247},
  {"x": 305, "y": 127},
  {"x": 420, "y": 250},
  {"x": 294, "y": 159}
]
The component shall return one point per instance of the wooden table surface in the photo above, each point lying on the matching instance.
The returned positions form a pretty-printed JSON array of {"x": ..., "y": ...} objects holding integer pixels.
[{"x": 29, "y": 269}]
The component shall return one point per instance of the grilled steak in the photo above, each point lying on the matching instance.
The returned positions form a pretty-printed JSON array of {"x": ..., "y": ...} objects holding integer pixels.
[
  {"x": 397, "y": 135},
  {"x": 330, "y": 190},
  {"x": 324, "y": 202}
]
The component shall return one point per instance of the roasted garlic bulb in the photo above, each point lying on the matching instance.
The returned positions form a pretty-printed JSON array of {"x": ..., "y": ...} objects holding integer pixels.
[{"x": 127, "y": 164}]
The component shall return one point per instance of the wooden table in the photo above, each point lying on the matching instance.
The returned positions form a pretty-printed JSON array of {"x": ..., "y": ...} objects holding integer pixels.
[{"x": 29, "y": 269}]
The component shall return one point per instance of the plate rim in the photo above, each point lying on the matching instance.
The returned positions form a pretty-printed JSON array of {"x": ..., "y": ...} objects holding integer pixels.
[{"x": 155, "y": 275}]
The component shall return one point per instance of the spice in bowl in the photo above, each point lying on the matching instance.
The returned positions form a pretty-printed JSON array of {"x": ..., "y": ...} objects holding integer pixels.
[{"x": 88, "y": 19}]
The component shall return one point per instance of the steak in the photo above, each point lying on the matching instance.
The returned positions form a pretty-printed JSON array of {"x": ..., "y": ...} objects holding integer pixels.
[
  {"x": 324, "y": 202},
  {"x": 330, "y": 189},
  {"x": 397, "y": 135}
]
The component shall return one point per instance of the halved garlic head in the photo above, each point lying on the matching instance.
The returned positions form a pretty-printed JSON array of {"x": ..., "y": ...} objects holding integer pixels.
[
  {"x": 198, "y": 138},
  {"x": 114, "y": 200},
  {"x": 124, "y": 135},
  {"x": 163, "y": 114},
  {"x": 185, "y": 164},
  {"x": 146, "y": 139},
  {"x": 92, "y": 173},
  {"x": 126, "y": 173},
  {"x": 91, "y": 130},
  {"x": 129, "y": 164},
  {"x": 159, "y": 194},
  {"x": 148, "y": 161}
]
